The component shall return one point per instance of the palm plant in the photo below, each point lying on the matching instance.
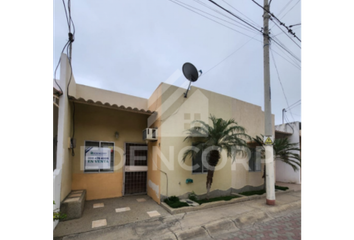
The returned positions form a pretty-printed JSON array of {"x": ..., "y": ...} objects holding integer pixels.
[
  {"x": 283, "y": 151},
  {"x": 220, "y": 135}
]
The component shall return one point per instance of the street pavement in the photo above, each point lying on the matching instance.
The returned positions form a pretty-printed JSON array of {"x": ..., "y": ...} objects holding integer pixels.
[
  {"x": 251, "y": 219},
  {"x": 287, "y": 227}
]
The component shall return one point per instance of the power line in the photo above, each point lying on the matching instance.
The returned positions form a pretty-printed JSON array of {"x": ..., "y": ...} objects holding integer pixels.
[
  {"x": 213, "y": 20},
  {"x": 55, "y": 71},
  {"x": 215, "y": 10},
  {"x": 290, "y": 9},
  {"x": 282, "y": 88},
  {"x": 292, "y": 59},
  {"x": 297, "y": 102},
  {"x": 280, "y": 22},
  {"x": 242, "y": 14},
  {"x": 285, "y": 33},
  {"x": 288, "y": 51},
  {"x": 284, "y": 7},
  {"x": 294, "y": 106},
  {"x": 234, "y": 24},
  {"x": 235, "y": 16},
  {"x": 298, "y": 67},
  {"x": 226, "y": 57}
]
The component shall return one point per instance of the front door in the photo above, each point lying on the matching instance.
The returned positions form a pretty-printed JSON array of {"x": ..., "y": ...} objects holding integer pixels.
[{"x": 135, "y": 170}]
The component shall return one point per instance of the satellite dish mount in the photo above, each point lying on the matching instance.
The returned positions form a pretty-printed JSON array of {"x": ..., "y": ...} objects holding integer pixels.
[{"x": 191, "y": 73}]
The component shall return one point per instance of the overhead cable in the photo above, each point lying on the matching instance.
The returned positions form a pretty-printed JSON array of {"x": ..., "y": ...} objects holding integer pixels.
[
  {"x": 235, "y": 16},
  {"x": 280, "y": 22}
]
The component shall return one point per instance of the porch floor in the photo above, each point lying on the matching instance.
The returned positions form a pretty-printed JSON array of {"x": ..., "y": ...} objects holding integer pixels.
[{"x": 111, "y": 212}]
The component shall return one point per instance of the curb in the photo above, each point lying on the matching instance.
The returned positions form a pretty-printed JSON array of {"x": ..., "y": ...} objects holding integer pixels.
[
  {"x": 219, "y": 227},
  {"x": 174, "y": 211}
]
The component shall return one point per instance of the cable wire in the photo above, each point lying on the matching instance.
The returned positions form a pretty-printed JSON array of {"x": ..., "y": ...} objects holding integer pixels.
[
  {"x": 71, "y": 69},
  {"x": 297, "y": 102},
  {"x": 288, "y": 51},
  {"x": 214, "y": 20},
  {"x": 286, "y": 99},
  {"x": 280, "y": 22},
  {"x": 290, "y": 9},
  {"x": 235, "y": 16},
  {"x": 294, "y": 106},
  {"x": 227, "y": 57},
  {"x": 243, "y": 14},
  {"x": 55, "y": 71},
  {"x": 234, "y": 24},
  {"x": 285, "y": 33},
  {"x": 215, "y": 10},
  {"x": 294, "y": 64},
  {"x": 284, "y": 7}
]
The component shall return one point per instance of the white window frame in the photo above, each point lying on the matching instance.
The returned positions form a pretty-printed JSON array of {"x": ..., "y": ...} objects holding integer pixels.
[{"x": 99, "y": 170}]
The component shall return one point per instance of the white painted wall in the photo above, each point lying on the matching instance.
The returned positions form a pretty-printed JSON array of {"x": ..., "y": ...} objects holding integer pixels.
[
  {"x": 284, "y": 172},
  {"x": 62, "y": 173},
  {"x": 56, "y": 192}
]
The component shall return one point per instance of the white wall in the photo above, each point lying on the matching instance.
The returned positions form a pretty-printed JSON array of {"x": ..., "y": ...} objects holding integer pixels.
[
  {"x": 284, "y": 172},
  {"x": 56, "y": 192},
  {"x": 62, "y": 173}
]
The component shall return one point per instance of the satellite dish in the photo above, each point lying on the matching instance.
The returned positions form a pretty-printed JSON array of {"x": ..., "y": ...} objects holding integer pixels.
[{"x": 191, "y": 73}]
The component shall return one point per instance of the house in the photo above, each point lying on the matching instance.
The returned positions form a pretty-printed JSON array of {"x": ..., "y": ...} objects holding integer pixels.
[
  {"x": 100, "y": 147},
  {"x": 284, "y": 172}
]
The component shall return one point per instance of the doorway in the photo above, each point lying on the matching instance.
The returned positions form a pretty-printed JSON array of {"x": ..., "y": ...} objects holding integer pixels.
[{"x": 135, "y": 170}]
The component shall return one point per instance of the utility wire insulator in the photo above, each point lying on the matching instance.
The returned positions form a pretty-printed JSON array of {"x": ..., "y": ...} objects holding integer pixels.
[{"x": 71, "y": 37}]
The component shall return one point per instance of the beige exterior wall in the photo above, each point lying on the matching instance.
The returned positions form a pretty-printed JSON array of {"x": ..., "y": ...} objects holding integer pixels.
[
  {"x": 154, "y": 160},
  {"x": 100, "y": 124},
  {"x": 177, "y": 113}
]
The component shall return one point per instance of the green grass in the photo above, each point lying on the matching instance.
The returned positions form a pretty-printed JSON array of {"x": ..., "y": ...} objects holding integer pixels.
[
  {"x": 250, "y": 193},
  {"x": 225, "y": 198},
  {"x": 281, "y": 188},
  {"x": 174, "y": 202},
  {"x": 260, "y": 192}
]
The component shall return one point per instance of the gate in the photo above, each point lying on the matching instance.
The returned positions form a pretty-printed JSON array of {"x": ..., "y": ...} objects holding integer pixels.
[{"x": 135, "y": 170}]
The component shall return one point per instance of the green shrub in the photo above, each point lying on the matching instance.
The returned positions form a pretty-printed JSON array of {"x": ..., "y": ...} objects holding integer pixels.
[
  {"x": 250, "y": 193},
  {"x": 224, "y": 198},
  {"x": 192, "y": 196},
  {"x": 58, "y": 215},
  {"x": 281, "y": 188},
  {"x": 172, "y": 199},
  {"x": 174, "y": 202}
]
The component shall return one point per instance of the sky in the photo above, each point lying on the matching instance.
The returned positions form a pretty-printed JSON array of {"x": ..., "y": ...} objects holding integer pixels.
[{"x": 132, "y": 46}]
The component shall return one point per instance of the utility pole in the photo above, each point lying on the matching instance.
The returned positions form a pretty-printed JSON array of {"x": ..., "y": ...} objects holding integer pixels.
[{"x": 269, "y": 161}]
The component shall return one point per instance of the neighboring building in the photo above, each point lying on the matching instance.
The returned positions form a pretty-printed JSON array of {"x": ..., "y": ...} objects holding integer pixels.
[
  {"x": 284, "y": 172},
  {"x": 110, "y": 124}
]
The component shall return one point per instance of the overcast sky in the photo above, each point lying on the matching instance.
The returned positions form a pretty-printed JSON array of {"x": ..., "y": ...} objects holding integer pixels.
[{"x": 133, "y": 46}]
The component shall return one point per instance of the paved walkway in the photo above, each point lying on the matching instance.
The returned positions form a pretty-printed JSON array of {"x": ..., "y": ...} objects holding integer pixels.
[
  {"x": 111, "y": 212},
  {"x": 287, "y": 227},
  {"x": 203, "y": 224}
]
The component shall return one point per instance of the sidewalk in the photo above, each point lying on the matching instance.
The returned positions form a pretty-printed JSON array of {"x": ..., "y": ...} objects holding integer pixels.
[
  {"x": 111, "y": 212},
  {"x": 203, "y": 224}
]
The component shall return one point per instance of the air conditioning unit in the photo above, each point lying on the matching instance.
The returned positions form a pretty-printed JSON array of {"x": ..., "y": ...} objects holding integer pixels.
[{"x": 150, "y": 134}]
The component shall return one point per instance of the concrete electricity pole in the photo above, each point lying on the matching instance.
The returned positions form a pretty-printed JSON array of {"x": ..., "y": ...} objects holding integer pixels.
[{"x": 269, "y": 161}]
